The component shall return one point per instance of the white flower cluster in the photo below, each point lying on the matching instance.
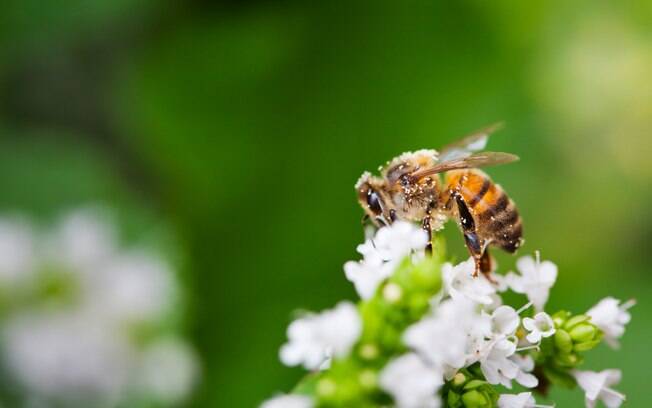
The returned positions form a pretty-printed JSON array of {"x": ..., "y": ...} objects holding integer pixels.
[
  {"x": 382, "y": 255},
  {"x": 467, "y": 324},
  {"x": 74, "y": 306}
]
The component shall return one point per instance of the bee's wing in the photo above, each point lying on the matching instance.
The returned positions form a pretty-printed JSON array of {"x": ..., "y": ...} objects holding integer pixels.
[
  {"x": 476, "y": 160},
  {"x": 469, "y": 144}
]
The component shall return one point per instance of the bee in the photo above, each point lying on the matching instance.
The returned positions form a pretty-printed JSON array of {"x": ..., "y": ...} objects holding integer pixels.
[{"x": 410, "y": 188}]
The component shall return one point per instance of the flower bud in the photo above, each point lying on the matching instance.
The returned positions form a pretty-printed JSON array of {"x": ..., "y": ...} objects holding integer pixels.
[
  {"x": 563, "y": 341},
  {"x": 574, "y": 321},
  {"x": 588, "y": 345},
  {"x": 459, "y": 380},
  {"x": 583, "y": 332},
  {"x": 568, "y": 360},
  {"x": 454, "y": 399},
  {"x": 574, "y": 334},
  {"x": 475, "y": 399}
]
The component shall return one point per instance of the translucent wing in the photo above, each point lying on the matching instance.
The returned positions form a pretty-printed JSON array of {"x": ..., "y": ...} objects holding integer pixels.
[
  {"x": 469, "y": 144},
  {"x": 476, "y": 160}
]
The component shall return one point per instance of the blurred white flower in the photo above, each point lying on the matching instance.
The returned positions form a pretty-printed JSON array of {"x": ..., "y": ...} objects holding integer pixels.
[
  {"x": 17, "y": 248},
  {"x": 131, "y": 288},
  {"x": 596, "y": 387},
  {"x": 541, "y": 326},
  {"x": 412, "y": 382},
  {"x": 611, "y": 318},
  {"x": 367, "y": 275},
  {"x": 168, "y": 370},
  {"x": 69, "y": 337},
  {"x": 522, "y": 400},
  {"x": 314, "y": 338},
  {"x": 67, "y": 355},
  {"x": 535, "y": 280},
  {"x": 83, "y": 241},
  {"x": 382, "y": 254},
  {"x": 459, "y": 281},
  {"x": 288, "y": 401}
]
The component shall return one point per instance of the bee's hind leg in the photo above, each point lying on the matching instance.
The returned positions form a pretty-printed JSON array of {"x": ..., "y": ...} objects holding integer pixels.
[
  {"x": 474, "y": 246},
  {"x": 486, "y": 265}
]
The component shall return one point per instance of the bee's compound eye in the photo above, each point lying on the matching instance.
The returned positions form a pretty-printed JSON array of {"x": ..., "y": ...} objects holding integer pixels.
[{"x": 373, "y": 201}]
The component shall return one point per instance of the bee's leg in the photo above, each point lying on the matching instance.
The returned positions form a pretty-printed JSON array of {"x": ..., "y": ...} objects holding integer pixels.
[
  {"x": 473, "y": 241},
  {"x": 426, "y": 225},
  {"x": 475, "y": 248},
  {"x": 486, "y": 266}
]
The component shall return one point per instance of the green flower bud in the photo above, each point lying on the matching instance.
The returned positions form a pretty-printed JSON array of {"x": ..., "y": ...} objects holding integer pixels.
[
  {"x": 459, "y": 380},
  {"x": 368, "y": 379},
  {"x": 559, "y": 318},
  {"x": 326, "y": 388},
  {"x": 574, "y": 321},
  {"x": 568, "y": 360},
  {"x": 588, "y": 345},
  {"x": 454, "y": 399},
  {"x": 563, "y": 341},
  {"x": 473, "y": 384},
  {"x": 583, "y": 332},
  {"x": 369, "y": 351},
  {"x": 475, "y": 399}
]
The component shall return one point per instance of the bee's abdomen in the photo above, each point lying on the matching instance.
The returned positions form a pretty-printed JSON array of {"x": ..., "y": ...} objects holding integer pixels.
[{"x": 496, "y": 215}]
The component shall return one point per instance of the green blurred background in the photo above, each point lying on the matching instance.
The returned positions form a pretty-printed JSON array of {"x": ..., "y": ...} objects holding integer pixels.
[{"x": 243, "y": 126}]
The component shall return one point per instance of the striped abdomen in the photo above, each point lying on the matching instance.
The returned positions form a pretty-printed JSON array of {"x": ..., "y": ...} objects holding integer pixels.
[{"x": 495, "y": 215}]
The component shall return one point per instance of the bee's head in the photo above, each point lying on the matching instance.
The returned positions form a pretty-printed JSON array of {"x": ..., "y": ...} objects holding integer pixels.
[{"x": 371, "y": 199}]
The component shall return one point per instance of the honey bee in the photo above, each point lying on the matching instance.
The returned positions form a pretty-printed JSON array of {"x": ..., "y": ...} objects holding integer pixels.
[{"x": 410, "y": 188}]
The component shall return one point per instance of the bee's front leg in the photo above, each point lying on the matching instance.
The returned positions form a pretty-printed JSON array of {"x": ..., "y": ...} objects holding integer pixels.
[{"x": 426, "y": 224}]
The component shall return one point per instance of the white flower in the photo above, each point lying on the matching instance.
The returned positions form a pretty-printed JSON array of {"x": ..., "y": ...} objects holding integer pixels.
[
  {"x": 611, "y": 318},
  {"x": 497, "y": 352},
  {"x": 459, "y": 281},
  {"x": 168, "y": 370},
  {"x": 288, "y": 401},
  {"x": 525, "y": 364},
  {"x": 382, "y": 254},
  {"x": 131, "y": 288},
  {"x": 496, "y": 365},
  {"x": 83, "y": 241},
  {"x": 77, "y": 346},
  {"x": 367, "y": 275},
  {"x": 504, "y": 321},
  {"x": 399, "y": 240},
  {"x": 62, "y": 356},
  {"x": 451, "y": 336},
  {"x": 596, "y": 387},
  {"x": 316, "y": 337},
  {"x": 541, "y": 326},
  {"x": 411, "y": 382},
  {"x": 535, "y": 280},
  {"x": 522, "y": 400}
]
